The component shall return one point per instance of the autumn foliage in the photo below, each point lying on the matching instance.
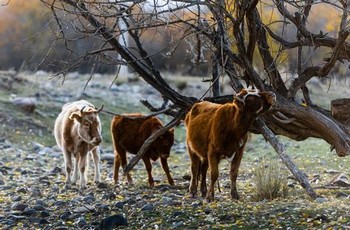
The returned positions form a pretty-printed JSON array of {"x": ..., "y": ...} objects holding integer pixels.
[{"x": 30, "y": 38}]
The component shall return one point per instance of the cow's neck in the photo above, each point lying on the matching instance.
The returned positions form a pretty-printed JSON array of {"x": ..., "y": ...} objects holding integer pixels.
[{"x": 242, "y": 122}]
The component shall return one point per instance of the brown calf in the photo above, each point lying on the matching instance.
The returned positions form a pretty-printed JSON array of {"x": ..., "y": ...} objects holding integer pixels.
[
  {"x": 129, "y": 134},
  {"x": 77, "y": 132},
  {"x": 220, "y": 131}
]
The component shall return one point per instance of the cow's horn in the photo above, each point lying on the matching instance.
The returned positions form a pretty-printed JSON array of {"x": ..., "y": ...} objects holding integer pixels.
[
  {"x": 99, "y": 109},
  {"x": 82, "y": 109}
]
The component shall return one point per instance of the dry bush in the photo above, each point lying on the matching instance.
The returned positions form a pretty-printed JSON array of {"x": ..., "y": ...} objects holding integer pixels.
[{"x": 270, "y": 180}]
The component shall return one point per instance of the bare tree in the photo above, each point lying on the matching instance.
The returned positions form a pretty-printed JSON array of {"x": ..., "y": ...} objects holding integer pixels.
[{"x": 231, "y": 32}]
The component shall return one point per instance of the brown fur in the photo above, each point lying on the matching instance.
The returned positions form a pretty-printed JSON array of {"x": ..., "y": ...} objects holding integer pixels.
[
  {"x": 129, "y": 135},
  {"x": 77, "y": 132},
  {"x": 217, "y": 131}
]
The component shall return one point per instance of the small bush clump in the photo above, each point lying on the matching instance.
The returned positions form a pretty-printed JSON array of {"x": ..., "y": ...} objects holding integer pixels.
[
  {"x": 181, "y": 85},
  {"x": 270, "y": 181}
]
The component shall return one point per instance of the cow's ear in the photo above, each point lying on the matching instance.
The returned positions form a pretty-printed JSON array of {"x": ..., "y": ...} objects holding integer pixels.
[
  {"x": 156, "y": 127},
  {"x": 76, "y": 116}
]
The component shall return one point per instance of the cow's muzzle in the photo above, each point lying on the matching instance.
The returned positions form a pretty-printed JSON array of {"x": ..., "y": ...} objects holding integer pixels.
[{"x": 96, "y": 141}]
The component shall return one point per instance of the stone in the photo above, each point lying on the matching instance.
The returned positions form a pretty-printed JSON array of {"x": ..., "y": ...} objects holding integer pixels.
[
  {"x": 16, "y": 198},
  {"x": 104, "y": 207},
  {"x": 36, "y": 220},
  {"x": 321, "y": 200},
  {"x": 148, "y": 207},
  {"x": 102, "y": 185},
  {"x": 41, "y": 203},
  {"x": 56, "y": 170},
  {"x": 65, "y": 215},
  {"x": 81, "y": 222},
  {"x": 36, "y": 146},
  {"x": 18, "y": 206},
  {"x": 119, "y": 204},
  {"x": 39, "y": 207},
  {"x": 163, "y": 188},
  {"x": 27, "y": 104},
  {"x": 113, "y": 222},
  {"x": 22, "y": 190},
  {"x": 109, "y": 157},
  {"x": 89, "y": 199},
  {"x": 29, "y": 212},
  {"x": 109, "y": 196},
  {"x": 44, "y": 214},
  {"x": 85, "y": 208},
  {"x": 177, "y": 225}
]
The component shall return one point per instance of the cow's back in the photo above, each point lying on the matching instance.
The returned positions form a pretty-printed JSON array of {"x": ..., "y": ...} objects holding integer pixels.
[{"x": 201, "y": 122}]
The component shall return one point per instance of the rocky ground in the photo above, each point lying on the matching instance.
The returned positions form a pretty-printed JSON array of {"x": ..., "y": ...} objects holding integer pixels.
[{"x": 33, "y": 196}]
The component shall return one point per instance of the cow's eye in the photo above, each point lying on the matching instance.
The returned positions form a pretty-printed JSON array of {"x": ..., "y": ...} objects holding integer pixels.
[{"x": 86, "y": 125}]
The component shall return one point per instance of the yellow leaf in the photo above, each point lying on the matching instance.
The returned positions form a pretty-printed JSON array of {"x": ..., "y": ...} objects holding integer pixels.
[{"x": 239, "y": 222}]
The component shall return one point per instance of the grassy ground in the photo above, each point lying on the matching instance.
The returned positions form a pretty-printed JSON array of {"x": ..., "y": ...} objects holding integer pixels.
[{"x": 173, "y": 208}]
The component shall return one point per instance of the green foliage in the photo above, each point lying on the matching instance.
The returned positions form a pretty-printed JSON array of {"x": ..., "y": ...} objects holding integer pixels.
[{"x": 270, "y": 180}]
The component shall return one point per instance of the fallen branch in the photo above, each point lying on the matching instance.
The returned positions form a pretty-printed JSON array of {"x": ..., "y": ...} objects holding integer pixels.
[
  {"x": 152, "y": 138},
  {"x": 332, "y": 187},
  {"x": 281, "y": 150}
]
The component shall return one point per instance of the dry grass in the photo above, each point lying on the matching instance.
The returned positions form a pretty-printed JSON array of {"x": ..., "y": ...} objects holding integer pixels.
[{"x": 270, "y": 181}]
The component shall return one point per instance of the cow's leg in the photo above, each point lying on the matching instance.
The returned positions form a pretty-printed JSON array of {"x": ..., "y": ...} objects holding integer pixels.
[
  {"x": 120, "y": 159},
  {"x": 164, "y": 162},
  {"x": 195, "y": 168},
  {"x": 76, "y": 169},
  {"x": 83, "y": 167},
  {"x": 148, "y": 166},
  {"x": 68, "y": 165},
  {"x": 116, "y": 167},
  {"x": 234, "y": 172},
  {"x": 203, "y": 177},
  {"x": 96, "y": 159},
  {"x": 213, "y": 161}
]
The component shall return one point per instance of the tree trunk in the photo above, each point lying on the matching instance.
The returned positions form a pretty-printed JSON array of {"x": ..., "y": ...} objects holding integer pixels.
[{"x": 340, "y": 109}]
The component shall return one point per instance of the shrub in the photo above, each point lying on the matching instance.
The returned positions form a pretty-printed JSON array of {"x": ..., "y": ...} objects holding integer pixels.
[
  {"x": 181, "y": 85},
  {"x": 270, "y": 180}
]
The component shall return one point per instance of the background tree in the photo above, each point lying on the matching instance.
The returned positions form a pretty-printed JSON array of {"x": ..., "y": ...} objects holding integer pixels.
[{"x": 237, "y": 37}]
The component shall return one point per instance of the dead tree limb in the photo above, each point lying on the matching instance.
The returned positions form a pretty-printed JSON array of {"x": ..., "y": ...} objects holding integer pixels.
[{"x": 282, "y": 153}]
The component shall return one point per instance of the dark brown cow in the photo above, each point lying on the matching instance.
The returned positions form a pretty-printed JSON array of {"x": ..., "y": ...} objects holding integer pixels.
[
  {"x": 77, "y": 132},
  {"x": 129, "y": 134},
  {"x": 217, "y": 131}
]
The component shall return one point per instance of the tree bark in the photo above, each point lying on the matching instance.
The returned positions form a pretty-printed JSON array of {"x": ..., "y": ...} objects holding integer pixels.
[{"x": 340, "y": 109}]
